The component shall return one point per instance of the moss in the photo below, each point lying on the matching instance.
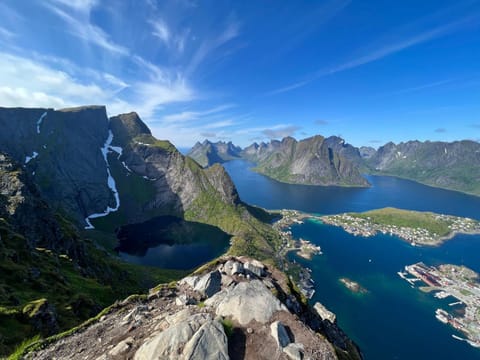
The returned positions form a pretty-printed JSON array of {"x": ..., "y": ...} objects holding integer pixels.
[
  {"x": 228, "y": 327},
  {"x": 150, "y": 140},
  {"x": 32, "y": 308}
]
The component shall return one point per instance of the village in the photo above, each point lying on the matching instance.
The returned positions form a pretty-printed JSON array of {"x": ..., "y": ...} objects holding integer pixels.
[
  {"x": 454, "y": 281},
  {"x": 364, "y": 226}
]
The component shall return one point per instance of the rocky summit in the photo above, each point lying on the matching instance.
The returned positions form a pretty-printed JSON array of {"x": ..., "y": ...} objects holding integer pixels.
[{"x": 235, "y": 308}]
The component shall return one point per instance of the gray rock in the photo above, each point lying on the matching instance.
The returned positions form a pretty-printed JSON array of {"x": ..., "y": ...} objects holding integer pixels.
[
  {"x": 280, "y": 334},
  {"x": 208, "y": 343},
  {"x": 209, "y": 284},
  {"x": 168, "y": 343},
  {"x": 294, "y": 351},
  {"x": 255, "y": 267},
  {"x": 122, "y": 347},
  {"x": 246, "y": 302},
  {"x": 324, "y": 313},
  {"x": 237, "y": 268}
]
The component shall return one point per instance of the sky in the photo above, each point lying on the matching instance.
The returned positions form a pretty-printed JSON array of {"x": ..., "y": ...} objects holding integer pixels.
[{"x": 370, "y": 71}]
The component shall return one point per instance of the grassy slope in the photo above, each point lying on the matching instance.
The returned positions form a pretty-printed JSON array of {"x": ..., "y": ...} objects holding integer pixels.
[
  {"x": 407, "y": 218},
  {"x": 62, "y": 283}
]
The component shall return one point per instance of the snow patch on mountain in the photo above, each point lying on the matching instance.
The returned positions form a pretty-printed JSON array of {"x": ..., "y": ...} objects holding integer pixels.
[
  {"x": 111, "y": 181},
  {"x": 39, "y": 122}
]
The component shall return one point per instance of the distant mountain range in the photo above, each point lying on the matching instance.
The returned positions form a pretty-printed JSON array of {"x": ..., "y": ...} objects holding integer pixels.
[{"x": 332, "y": 161}]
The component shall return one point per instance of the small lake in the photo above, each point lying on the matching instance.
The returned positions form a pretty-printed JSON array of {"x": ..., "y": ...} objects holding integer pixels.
[
  {"x": 171, "y": 243},
  {"x": 393, "y": 320}
]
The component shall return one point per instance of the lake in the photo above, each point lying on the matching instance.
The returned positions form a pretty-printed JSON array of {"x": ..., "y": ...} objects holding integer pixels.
[
  {"x": 170, "y": 242},
  {"x": 393, "y": 320}
]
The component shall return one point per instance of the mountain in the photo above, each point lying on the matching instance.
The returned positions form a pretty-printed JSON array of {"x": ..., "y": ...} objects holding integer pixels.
[
  {"x": 313, "y": 161},
  {"x": 235, "y": 308},
  {"x": 69, "y": 179},
  {"x": 454, "y": 165},
  {"x": 208, "y": 153}
]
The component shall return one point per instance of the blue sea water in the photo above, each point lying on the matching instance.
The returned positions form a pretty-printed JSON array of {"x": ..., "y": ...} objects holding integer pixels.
[{"x": 393, "y": 320}]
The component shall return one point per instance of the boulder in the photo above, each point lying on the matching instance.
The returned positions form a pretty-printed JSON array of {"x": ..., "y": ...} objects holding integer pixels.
[
  {"x": 170, "y": 342},
  {"x": 280, "y": 334},
  {"x": 294, "y": 351},
  {"x": 255, "y": 267},
  {"x": 122, "y": 347},
  {"x": 232, "y": 267},
  {"x": 245, "y": 302},
  {"x": 209, "y": 284},
  {"x": 324, "y": 313},
  {"x": 208, "y": 343}
]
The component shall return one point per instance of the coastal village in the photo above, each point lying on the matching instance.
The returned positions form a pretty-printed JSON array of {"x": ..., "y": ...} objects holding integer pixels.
[
  {"x": 302, "y": 247},
  {"x": 454, "y": 281},
  {"x": 365, "y": 226}
]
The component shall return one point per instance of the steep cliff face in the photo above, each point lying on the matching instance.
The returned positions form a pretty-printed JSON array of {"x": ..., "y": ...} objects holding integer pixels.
[
  {"x": 454, "y": 165},
  {"x": 176, "y": 181},
  {"x": 208, "y": 153},
  {"x": 313, "y": 161},
  {"x": 61, "y": 151}
]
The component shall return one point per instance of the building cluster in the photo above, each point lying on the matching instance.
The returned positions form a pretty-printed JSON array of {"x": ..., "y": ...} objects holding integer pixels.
[{"x": 460, "y": 283}]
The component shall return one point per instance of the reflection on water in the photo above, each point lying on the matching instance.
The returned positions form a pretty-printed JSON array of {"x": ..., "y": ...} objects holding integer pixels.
[{"x": 170, "y": 242}]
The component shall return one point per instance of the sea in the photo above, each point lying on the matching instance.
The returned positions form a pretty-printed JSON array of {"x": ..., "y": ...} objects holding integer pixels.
[{"x": 392, "y": 320}]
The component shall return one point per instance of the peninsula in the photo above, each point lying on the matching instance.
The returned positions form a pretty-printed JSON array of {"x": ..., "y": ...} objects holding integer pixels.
[
  {"x": 418, "y": 228},
  {"x": 459, "y": 282}
]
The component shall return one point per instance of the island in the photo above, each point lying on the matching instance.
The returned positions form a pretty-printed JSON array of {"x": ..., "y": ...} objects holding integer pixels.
[
  {"x": 353, "y": 286},
  {"x": 458, "y": 282},
  {"x": 416, "y": 227}
]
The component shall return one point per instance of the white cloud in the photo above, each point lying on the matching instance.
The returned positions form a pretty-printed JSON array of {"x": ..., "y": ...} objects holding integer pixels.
[
  {"x": 6, "y": 34},
  {"x": 81, "y": 27},
  {"x": 210, "y": 45},
  {"x": 161, "y": 30},
  {"x": 185, "y": 116},
  {"x": 78, "y": 5}
]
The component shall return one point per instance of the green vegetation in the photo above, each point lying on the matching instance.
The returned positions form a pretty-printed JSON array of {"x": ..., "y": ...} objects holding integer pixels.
[
  {"x": 228, "y": 327},
  {"x": 151, "y": 140},
  {"x": 407, "y": 218},
  {"x": 31, "y": 277}
]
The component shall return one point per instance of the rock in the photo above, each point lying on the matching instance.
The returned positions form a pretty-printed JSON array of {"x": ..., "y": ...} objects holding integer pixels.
[
  {"x": 233, "y": 267},
  {"x": 190, "y": 281},
  {"x": 237, "y": 268},
  {"x": 324, "y": 313},
  {"x": 293, "y": 305},
  {"x": 209, "y": 284},
  {"x": 255, "y": 267},
  {"x": 294, "y": 351},
  {"x": 280, "y": 334},
  {"x": 249, "y": 330},
  {"x": 168, "y": 343},
  {"x": 181, "y": 300},
  {"x": 245, "y": 302},
  {"x": 122, "y": 347},
  {"x": 42, "y": 315},
  {"x": 208, "y": 343}
]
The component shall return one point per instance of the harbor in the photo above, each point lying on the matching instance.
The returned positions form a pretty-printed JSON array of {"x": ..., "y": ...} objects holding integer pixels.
[{"x": 454, "y": 281}]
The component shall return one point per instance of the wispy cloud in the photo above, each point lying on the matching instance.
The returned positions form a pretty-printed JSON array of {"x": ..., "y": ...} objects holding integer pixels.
[
  {"x": 321, "y": 122},
  {"x": 422, "y": 87},
  {"x": 6, "y": 34},
  {"x": 80, "y": 25},
  {"x": 185, "y": 116},
  {"x": 382, "y": 50},
  {"x": 475, "y": 126},
  {"x": 209, "y": 45},
  {"x": 281, "y": 132},
  {"x": 440, "y": 130}
]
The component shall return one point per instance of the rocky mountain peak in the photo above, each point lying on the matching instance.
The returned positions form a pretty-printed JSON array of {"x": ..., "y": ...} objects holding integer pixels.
[{"x": 237, "y": 308}]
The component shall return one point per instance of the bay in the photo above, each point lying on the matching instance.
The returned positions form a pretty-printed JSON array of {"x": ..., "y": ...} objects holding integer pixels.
[{"x": 393, "y": 320}]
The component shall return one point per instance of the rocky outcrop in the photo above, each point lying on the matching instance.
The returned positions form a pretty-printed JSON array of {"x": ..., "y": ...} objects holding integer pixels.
[
  {"x": 454, "y": 165},
  {"x": 208, "y": 153},
  {"x": 241, "y": 320}
]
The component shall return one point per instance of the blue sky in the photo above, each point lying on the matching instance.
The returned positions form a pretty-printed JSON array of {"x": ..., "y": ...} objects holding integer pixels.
[{"x": 369, "y": 71}]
